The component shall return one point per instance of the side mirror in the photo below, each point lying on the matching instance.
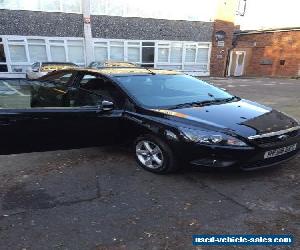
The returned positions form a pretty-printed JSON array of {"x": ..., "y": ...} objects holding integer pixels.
[
  {"x": 35, "y": 70},
  {"x": 106, "y": 106}
]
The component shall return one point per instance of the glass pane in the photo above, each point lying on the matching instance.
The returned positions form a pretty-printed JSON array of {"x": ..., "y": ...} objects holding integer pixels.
[
  {"x": 133, "y": 54},
  {"x": 16, "y": 40},
  {"x": 71, "y": 6},
  {"x": 100, "y": 54},
  {"x": 117, "y": 53},
  {"x": 29, "y": 5},
  {"x": 2, "y": 54},
  {"x": 50, "y": 5},
  {"x": 133, "y": 43},
  {"x": 176, "y": 55},
  {"x": 17, "y": 53},
  {"x": 35, "y": 40},
  {"x": 116, "y": 43},
  {"x": 115, "y": 8},
  {"x": 75, "y": 42},
  {"x": 190, "y": 55},
  {"x": 202, "y": 56},
  {"x": 240, "y": 59},
  {"x": 76, "y": 54},
  {"x": 58, "y": 53},
  {"x": 148, "y": 54},
  {"x": 101, "y": 43},
  {"x": 56, "y": 41},
  {"x": 148, "y": 43},
  {"x": 37, "y": 53},
  {"x": 163, "y": 55},
  {"x": 3, "y": 68},
  {"x": 98, "y": 7}
]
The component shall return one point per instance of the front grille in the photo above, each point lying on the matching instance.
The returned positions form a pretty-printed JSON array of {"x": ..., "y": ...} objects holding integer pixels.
[{"x": 269, "y": 141}]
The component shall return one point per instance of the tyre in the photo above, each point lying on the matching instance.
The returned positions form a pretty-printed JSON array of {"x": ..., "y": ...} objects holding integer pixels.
[{"x": 154, "y": 155}]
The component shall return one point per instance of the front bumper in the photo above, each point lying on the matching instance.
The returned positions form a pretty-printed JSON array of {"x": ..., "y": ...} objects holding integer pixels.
[{"x": 245, "y": 158}]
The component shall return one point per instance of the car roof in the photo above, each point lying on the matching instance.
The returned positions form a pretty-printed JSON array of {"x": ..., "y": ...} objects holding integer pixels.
[
  {"x": 114, "y": 64},
  {"x": 62, "y": 63},
  {"x": 121, "y": 71}
]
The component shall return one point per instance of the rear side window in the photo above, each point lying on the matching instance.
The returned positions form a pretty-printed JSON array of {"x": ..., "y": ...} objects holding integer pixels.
[{"x": 34, "y": 94}]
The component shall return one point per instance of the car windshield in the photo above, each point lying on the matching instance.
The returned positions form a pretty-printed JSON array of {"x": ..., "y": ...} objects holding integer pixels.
[{"x": 169, "y": 91}]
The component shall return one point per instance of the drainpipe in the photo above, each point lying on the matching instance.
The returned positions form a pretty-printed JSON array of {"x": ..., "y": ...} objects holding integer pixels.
[{"x": 88, "y": 39}]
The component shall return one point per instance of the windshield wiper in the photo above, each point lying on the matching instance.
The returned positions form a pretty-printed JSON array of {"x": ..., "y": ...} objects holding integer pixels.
[{"x": 203, "y": 103}]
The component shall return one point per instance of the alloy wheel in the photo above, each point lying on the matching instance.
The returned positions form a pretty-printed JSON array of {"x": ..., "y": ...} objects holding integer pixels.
[{"x": 149, "y": 154}]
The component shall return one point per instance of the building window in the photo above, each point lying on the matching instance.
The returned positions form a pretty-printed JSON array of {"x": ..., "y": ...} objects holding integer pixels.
[
  {"x": 134, "y": 54},
  {"x": 117, "y": 51},
  {"x": 163, "y": 53},
  {"x": 72, "y": 6},
  {"x": 17, "y": 53},
  {"x": 190, "y": 53},
  {"x": 50, "y": 5},
  {"x": 184, "y": 10},
  {"x": 202, "y": 55},
  {"x": 176, "y": 53},
  {"x": 75, "y": 51},
  {"x": 58, "y": 53},
  {"x": 23, "y": 51},
  {"x": 37, "y": 50}
]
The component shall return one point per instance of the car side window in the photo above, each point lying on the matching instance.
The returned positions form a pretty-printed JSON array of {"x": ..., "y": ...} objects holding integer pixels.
[
  {"x": 101, "y": 87},
  {"x": 59, "y": 92},
  {"x": 51, "y": 92}
]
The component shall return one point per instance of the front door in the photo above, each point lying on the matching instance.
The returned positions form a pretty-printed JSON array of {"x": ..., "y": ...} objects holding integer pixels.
[{"x": 239, "y": 64}]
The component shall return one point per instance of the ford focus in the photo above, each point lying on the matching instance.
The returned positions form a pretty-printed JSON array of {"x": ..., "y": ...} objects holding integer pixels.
[{"x": 170, "y": 119}]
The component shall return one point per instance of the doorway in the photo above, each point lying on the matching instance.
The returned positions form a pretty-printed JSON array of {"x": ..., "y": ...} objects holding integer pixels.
[{"x": 237, "y": 62}]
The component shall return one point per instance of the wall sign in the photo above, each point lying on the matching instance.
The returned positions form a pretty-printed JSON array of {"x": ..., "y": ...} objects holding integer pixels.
[{"x": 221, "y": 44}]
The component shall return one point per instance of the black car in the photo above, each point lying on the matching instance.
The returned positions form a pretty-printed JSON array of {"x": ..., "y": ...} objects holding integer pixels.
[{"x": 170, "y": 117}]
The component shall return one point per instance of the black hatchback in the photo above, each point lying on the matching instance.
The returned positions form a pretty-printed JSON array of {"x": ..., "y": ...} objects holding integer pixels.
[{"x": 170, "y": 118}]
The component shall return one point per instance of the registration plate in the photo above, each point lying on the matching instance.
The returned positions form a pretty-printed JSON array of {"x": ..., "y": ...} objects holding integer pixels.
[{"x": 280, "y": 151}]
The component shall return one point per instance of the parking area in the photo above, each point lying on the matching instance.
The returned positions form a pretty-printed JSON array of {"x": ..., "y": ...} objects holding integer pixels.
[{"x": 98, "y": 198}]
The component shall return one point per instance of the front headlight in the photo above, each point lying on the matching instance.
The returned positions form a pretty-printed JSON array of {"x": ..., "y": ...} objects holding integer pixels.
[{"x": 210, "y": 137}]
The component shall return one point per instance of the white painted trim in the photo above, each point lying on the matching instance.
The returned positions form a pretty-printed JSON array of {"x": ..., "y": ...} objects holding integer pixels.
[{"x": 230, "y": 63}]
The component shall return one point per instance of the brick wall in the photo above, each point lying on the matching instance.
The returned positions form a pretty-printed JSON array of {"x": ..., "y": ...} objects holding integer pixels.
[
  {"x": 271, "y": 48},
  {"x": 219, "y": 54}
]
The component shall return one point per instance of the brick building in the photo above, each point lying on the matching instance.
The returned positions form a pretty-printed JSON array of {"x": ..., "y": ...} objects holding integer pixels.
[
  {"x": 273, "y": 52},
  {"x": 82, "y": 31}
]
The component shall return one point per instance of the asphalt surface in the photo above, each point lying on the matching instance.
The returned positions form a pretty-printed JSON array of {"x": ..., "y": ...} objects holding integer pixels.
[{"x": 98, "y": 198}]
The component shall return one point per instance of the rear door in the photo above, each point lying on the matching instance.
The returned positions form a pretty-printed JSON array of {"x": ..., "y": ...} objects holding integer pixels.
[{"x": 60, "y": 114}]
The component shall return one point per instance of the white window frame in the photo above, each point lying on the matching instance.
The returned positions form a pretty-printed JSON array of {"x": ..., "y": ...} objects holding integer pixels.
[
  {"x": 165, "y": 44},
  {"x": 6, "y": 40}
]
